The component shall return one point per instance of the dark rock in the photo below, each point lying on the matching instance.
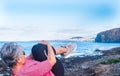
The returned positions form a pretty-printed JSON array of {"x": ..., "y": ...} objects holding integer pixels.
[
  {"x": 113, "y": 51},
  {"x": 112, "y": 35},
  {"x": 91, "y": 65},
  {"x": 78, "y": 37}
]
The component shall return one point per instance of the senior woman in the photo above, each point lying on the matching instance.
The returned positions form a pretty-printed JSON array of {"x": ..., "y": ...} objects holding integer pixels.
[{"x": 13, "y": 56}]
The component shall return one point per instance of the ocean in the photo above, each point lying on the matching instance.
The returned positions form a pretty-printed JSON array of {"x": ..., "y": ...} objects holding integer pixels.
[{"x": 84, "y": 48}]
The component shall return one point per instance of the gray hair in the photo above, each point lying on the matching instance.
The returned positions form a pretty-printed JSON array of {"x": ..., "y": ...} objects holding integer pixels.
[{"x": 10, "y": 52}]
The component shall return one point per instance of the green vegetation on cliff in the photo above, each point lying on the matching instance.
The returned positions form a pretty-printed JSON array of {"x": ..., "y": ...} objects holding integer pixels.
[{"x": 111, "y": 61}]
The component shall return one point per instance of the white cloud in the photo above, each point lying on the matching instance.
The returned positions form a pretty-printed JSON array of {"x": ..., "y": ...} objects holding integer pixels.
[{"x": 60, "y": 24}]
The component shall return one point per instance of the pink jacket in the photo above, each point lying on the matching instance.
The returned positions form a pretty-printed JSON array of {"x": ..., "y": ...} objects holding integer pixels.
[{"x": 35, "y": 68}]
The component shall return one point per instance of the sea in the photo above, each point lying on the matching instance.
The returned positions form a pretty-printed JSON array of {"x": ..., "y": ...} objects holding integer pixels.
[{"x": 84, "y": 48}]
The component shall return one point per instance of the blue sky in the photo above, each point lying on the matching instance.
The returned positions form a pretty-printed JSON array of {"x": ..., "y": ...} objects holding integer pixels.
[{"x": 56, "y": 19}]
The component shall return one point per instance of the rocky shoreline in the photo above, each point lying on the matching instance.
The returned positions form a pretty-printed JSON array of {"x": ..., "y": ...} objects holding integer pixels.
[{"x": 91, "y": 65}]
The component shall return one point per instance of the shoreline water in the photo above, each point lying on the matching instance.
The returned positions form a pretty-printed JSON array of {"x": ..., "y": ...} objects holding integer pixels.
[{"x": 84, "y": 48}]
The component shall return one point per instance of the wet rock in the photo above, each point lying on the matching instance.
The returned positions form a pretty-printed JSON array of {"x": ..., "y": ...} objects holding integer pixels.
[
  {"x": 91, "y": 65},
  {"x": 113, "y": 51}
]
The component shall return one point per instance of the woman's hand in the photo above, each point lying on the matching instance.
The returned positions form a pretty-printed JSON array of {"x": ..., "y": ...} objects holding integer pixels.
[{"x": 51, "y": 56}]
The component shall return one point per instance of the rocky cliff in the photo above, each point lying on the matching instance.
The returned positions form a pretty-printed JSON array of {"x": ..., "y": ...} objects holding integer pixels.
[{"x": 112, "y": 35}]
